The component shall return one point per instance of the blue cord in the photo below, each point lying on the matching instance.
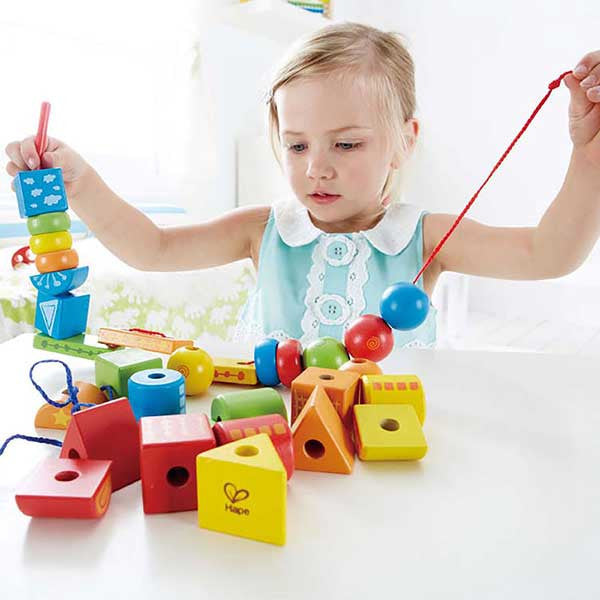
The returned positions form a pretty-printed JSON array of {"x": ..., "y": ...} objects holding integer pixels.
[{"x": 72, "y": 391}]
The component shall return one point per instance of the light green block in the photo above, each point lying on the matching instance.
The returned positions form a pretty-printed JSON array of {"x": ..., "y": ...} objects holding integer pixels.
[
  {"x": 115, "y": 369},
  {"x": 83, "y": 345}
]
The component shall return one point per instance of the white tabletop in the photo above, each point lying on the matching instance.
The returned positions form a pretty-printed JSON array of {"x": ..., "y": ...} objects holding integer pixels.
[{"x": 506, "y": 504}]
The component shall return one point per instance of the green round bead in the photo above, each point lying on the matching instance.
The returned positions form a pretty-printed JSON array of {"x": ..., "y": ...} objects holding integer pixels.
[
  {"x": 326, "y": 353},
  {"x": 49, "y": 223},
  {"x": 249, "y": 403}
]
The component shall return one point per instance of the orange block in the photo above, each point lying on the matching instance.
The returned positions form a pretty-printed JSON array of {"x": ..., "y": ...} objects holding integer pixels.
[
  {"x": 321, "y": 442},
  {"x": 340, "y": 386},
  {"x": 364, "y": 367},
  {"x": 138, "y": 339},
  {"x": 50, "y": 417}
]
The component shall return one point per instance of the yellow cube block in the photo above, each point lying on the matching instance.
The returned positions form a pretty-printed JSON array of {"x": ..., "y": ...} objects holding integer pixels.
[
  {"x": 394, "y": 389},
  {"x": 242, "y": 490},
  {"x": 388, "y": 432}
]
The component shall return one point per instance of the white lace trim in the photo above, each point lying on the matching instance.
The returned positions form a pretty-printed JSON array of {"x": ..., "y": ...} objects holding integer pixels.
[
  {"x": 316, "y": 277},
  {"x": 356, "y": 280}
]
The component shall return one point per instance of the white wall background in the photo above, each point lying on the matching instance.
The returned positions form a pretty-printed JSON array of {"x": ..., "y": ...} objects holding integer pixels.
[{"x": 158, "y": 95}]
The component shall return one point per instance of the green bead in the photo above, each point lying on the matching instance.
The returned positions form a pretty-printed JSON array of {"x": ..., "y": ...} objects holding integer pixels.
[
  {"x": 249, "y": 403},
  {"x": 48, "y": 223},
  {"x": 326, "y": 353}
]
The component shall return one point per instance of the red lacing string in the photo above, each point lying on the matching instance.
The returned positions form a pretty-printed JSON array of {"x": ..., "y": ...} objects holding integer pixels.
[
  {"x": 147, "y": 331},
  {"x": 552, "y": 86}
]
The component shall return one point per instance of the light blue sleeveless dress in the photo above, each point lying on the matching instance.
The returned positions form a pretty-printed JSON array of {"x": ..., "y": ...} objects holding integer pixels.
[{"x": 313, "y": 284}]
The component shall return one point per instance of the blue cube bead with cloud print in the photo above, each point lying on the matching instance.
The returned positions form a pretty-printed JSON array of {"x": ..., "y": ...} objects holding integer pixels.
[{"x": 39, "y": 192}]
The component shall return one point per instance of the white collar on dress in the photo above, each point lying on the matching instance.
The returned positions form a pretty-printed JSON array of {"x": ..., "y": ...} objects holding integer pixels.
[{"x": 390, "y": 236}]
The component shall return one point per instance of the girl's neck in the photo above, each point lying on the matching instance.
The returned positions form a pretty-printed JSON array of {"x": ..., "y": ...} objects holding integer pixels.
[{"x": 359, "y": 222}]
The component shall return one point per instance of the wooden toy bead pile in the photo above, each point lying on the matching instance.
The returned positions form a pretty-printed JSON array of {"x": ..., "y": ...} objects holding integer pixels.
[{"x": 235, "y": 471}]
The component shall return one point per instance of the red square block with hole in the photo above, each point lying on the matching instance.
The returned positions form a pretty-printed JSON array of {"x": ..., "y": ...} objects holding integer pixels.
[
  {"x": 169, "y": 445},
  {"x": 61, "y": 487},
  {"x": 107, "y": 431},
  {"x": 340, "y": 386}
]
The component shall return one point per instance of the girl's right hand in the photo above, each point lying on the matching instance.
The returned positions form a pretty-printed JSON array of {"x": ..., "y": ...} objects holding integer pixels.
[{"x": 24, "y": 157}]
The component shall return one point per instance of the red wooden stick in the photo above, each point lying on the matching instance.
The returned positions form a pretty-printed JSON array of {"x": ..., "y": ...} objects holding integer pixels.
[{"x": 41, "y": 139}]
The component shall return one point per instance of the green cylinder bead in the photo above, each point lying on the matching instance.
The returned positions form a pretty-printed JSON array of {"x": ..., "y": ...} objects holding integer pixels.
[
  {"x": 49, "y": 223},
  {"x": 249, "y": 403}
]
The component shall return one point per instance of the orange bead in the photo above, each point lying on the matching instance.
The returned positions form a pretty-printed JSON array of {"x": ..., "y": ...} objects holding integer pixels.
[
  {"x": 362, "y": 366},
  {"x": 57, "y": 261}
]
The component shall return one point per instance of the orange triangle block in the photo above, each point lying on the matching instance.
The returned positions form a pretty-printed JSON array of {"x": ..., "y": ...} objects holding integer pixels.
[{"x": 321, "y": 442}]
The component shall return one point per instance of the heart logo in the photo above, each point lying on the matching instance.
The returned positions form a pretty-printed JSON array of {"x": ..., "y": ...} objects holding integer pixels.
[{"x": 233, "y": 494}]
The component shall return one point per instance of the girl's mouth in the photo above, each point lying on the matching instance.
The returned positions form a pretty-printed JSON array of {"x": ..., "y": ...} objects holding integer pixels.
[{"x": 321, "y": 198}]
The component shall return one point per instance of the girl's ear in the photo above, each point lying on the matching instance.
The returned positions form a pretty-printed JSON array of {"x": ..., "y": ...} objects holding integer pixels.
[{"x": 410, "y": 130}]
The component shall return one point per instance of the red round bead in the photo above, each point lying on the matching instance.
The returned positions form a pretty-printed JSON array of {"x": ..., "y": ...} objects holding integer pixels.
[
  {"x": 369, "y": 337},
  {"x": 289, "y": 361}
]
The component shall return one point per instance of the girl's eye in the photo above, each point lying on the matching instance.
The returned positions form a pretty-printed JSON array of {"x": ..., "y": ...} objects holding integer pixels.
[
  {"x": 297, "y": 147},
  {"x": 348, "y": 145}
]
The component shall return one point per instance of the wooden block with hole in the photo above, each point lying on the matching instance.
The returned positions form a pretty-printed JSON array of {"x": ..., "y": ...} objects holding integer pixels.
[
  {"x": 388, "y": 432},
  {"x": 340, "y": 386},
  {"x": 242, "y": 490},
  {"x": 66, "y": 488},
  {"x": 395, "y": 389},
  {"x": 51, "y": 417},
  {"x": 235, "y": 370},
  {"x": 137, "y": 339},
  {"x": 169, "y": 445},
  {"x": 115, "y": 368},
  {"x": 107, "y": 431},
  {"x": 321, "y": 441}
]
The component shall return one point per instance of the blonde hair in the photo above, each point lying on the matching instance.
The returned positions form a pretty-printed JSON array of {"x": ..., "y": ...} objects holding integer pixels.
[{"x": 351, "y": 49}]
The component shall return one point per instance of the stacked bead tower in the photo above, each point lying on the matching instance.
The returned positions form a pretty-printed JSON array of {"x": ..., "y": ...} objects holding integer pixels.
[{"x": 42, "y": 200}]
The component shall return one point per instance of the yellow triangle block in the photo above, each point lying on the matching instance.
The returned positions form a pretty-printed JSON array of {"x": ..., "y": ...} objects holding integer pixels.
[
  {"x": 242, "y": 490},
  {"x": 321, "y": 442}
]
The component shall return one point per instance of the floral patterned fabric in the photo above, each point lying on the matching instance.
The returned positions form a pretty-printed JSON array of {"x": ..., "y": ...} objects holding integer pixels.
[{"x": 199, "y": 305}]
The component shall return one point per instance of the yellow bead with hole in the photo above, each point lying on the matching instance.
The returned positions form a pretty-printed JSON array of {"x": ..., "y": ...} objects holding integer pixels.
[
  {"x": 50, "y": 242},
  {"x": 388, "y": 432},
  {"x": 242, "y": 490},
  {"x": 394, "y": 389},
  {"x": 196, "y": 366}
]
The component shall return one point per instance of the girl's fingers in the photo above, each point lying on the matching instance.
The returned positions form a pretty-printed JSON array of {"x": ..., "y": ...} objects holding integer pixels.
[
  {"x": 586, "y": 65},
  {"x": 12, "y": 169},
  {"x": 13, "y": 150},
  {"x": 29, "y": 153}
]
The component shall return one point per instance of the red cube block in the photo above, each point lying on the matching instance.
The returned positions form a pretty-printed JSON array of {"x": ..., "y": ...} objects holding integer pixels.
[
  {"x": 275, "y": 426},
  {"x": 108, "y": 431},
  {"x": 169, "y": 445},
  {"x": 62, "y": 487}
]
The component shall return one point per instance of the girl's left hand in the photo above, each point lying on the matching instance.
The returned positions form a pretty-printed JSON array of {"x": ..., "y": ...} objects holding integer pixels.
[{"x": 584, "y": 109}]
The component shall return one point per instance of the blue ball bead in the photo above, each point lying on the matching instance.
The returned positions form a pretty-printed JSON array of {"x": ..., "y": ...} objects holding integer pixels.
[{"x": 404, "y": 306}]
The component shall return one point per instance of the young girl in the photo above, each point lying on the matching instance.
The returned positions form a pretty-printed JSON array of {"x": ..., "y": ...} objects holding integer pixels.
[{"x": 341, "y": 118}]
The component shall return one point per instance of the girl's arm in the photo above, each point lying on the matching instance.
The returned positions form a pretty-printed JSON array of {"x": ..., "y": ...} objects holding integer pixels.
[
  {"x": 136, "y": 240},
  {"x": 131, "y": 235},
  {"x": 570, "y": 227}
]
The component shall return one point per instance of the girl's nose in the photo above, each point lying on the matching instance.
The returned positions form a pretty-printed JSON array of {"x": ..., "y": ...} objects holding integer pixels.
[{"x": 318, "y": 167}]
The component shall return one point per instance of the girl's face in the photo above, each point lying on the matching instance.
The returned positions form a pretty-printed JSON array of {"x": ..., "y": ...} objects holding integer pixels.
[{"x": 332, "y": 143}]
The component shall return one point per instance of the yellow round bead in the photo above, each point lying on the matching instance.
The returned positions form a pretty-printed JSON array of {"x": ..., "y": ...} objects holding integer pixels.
[{"x": 50, "y": 242}]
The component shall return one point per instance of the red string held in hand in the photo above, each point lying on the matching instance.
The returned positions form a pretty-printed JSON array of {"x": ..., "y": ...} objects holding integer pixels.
[{"x": 551, "y": 86}]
